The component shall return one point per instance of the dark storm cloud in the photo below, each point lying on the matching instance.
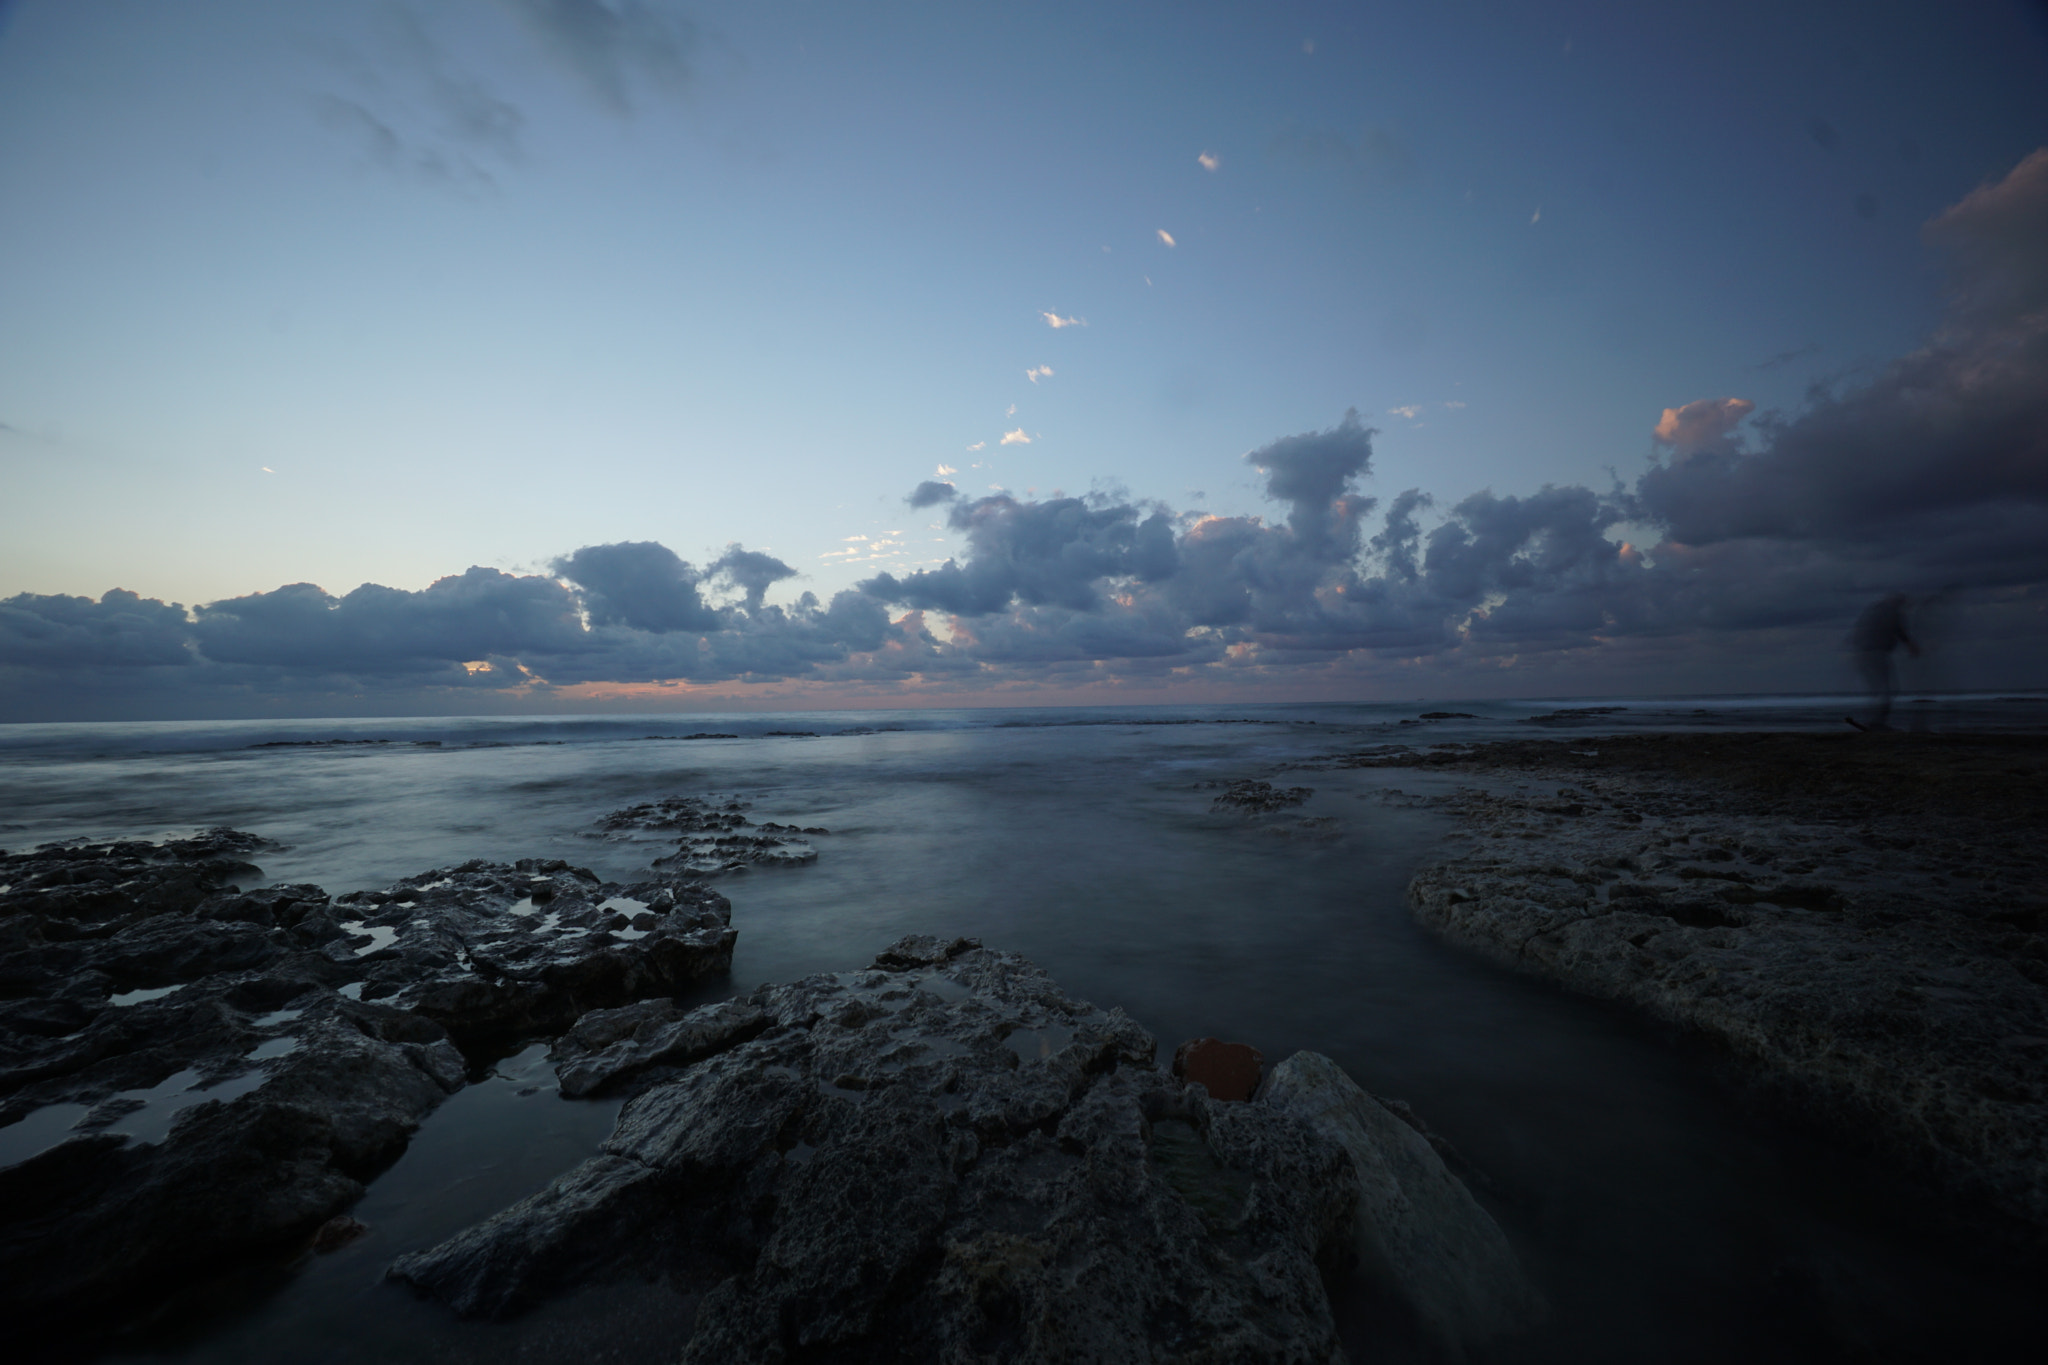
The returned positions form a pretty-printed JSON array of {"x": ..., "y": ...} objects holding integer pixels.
[{"x": 931, "y": 493}]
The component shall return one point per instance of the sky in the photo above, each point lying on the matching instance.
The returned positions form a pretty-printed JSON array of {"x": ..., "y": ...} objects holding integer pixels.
[{"x": 365, "y": 357}]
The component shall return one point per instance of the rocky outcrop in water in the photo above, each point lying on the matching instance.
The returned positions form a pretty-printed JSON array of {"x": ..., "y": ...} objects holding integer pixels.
[
  {"x": 1259, "y": 798},
  {"x": 191, "y": 1073},
  {"x": 714, "y": 837},
  {"x": 946, "y": 1158},
  {"x": 1860, "y": 922}
]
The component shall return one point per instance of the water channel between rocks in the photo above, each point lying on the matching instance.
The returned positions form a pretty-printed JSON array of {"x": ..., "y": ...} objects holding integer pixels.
[{"x": 1660, "y": 1214}]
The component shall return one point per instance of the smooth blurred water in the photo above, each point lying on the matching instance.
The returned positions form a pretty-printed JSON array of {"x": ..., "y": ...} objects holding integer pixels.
[{"x": 1661, "y": 1218}]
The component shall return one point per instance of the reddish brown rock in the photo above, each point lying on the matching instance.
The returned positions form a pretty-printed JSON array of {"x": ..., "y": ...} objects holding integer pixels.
[{"x": 1228, "y": 1071}]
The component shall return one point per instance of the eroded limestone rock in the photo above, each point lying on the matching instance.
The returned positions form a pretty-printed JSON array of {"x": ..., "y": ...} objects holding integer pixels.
[
  {"x": 191, "y": 1073},
  {"x": 1860, "y": 923},
  {"x": 945, "y": 1158},
  {"x": 1417, "y": 1225}
]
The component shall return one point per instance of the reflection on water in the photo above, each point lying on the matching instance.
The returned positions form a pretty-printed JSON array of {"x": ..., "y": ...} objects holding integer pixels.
[{"x": 1661, "y": 1219}]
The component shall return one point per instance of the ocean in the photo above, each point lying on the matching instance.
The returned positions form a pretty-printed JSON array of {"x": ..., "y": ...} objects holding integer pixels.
[{"x": 1663, "y": 1211}]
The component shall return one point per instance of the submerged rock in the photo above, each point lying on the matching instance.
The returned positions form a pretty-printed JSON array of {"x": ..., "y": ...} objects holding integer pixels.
[
  {"x": 191, "y": 1073},
  {"x": 945, "y": 1158}
]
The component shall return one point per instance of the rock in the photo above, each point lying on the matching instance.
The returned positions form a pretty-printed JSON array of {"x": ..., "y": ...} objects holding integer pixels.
[
  {"x": 716, "y": 837},
  {"x": 1259, "y": 798},
  {"x": 495, "y": 952},
  {"x": 942, "y": 1158},
  {"x": 191, "y": 1074},
  {"x": 1417, "y": 1229},
  {"x": 657, "y": 1038},
  {"x": 1823, "y": 909},
  {"x": 1228, "y": 1071},
  {"x": 336, "y": 1233}
]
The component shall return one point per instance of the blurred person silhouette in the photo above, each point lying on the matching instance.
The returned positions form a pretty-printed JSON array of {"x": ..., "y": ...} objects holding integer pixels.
[
  {"x": 1878, "y": 631},
  {"x": 1927, "y": 678}
]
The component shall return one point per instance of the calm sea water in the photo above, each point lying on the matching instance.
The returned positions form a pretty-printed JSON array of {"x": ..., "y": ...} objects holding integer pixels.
[{"x": 1662, "y": 1215}]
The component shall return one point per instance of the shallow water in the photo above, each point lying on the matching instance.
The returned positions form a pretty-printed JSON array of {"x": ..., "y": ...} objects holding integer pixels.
[{"x": 1659, "y": 1214}]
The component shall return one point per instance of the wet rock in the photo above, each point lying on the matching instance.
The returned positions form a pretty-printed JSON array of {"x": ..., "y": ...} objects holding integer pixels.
[
  {"x": 1259, "y": 798},
  {"x": 608, "y": 1048},
  {"x": 940, "y": 1158},
  {"x": 1417, "y": 1229},
  {"x": 1228, "y": 1071},
  {"x": 715, "y": 837},
  {"x": 1820, "y": 911},
  {"x": 191, "y": 1073},
  {"x": 495, "y": 952},
  {"x": 336, "y": 1233}
]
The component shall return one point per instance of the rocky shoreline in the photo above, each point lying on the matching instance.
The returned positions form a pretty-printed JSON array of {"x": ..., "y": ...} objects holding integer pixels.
[
  {"x": 191, "y": 1074},
  {"x": 941, "y": 1156},
  {"x": 1860, "y": 922}
]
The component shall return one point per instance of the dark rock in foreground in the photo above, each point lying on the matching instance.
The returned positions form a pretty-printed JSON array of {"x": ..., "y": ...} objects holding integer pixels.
[
  {"x": 945, "y": 1158},
  {"x": 191, "y": 1073}
]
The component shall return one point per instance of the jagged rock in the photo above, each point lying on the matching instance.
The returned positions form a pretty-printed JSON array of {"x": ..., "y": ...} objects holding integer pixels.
[
  {"x": 610, "y": 1047},
  {"x": 191, "y": 1073},
  {"x": 716, "y": 837},
  {"x": 495, "y": 952},
  {"x": 940, "y": 1158},
  {"x": 1259, "y": 798},
  {"x": 1418, "y": 1228}
]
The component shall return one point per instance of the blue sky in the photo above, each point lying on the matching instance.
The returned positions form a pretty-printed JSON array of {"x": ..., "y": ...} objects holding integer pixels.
[{"x": 368, "y": 292}]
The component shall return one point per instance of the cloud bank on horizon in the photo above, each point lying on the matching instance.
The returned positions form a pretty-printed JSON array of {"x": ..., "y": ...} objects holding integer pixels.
[{"x": 1757, "y": 543}]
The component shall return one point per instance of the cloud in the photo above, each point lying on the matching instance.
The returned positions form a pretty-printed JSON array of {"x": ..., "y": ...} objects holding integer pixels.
[
  {"x": 1038, "y": 372},
  {"x": 1454, "y": 404},
  {"x": 946, "y": 471},
  {"x": 120, "y": 630},
  {"x": 640, "y": 584},
  {"x": 612, "y": 47},
  {"x": 1055, "y": 321},
  {"x": 1784, "y": 358},
  {"x": 1750, "y": 544},
  {"x": 404, "y": 155},
  {"x": 1166, "y": 237},
  {"x": 1707, "y": 425},
  {"x": 1411, "y": 411},
  {"x": 1016, "y": 438},
  {"x": 1209, "y": 161},
  {"x": 751, "y": 571}
]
